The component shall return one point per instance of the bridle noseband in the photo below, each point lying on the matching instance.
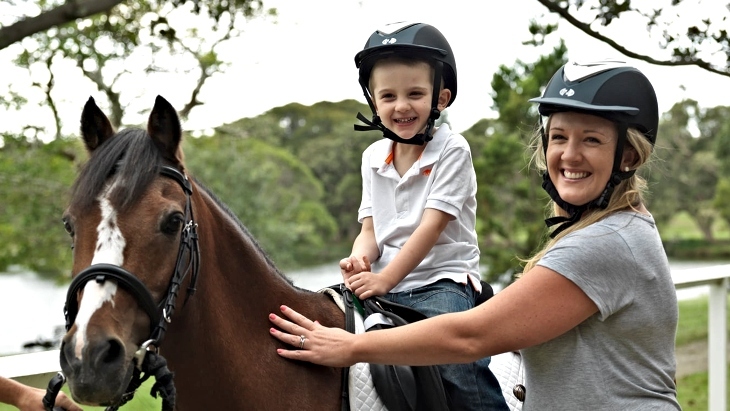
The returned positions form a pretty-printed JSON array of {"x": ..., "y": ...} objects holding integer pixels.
[{"x": 160, "y": 314}]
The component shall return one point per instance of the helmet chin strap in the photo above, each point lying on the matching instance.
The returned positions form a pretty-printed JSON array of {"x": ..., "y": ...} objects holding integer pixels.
[
  {"x": 420, "y": 138},
  {"x": 574, "y": 211},
  {"x": 376, "y": 124}
]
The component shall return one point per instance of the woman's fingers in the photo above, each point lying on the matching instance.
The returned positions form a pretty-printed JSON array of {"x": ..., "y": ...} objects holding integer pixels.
[
  {"x": 294, "y": 329},
  {"x": 297, "y": 318}
]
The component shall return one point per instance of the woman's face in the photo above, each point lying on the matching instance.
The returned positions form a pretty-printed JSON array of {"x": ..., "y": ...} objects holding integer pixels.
[{"x": 580, "y": 152}]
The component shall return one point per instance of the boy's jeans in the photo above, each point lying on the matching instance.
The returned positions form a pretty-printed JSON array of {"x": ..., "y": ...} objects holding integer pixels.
[{"x": 469, "y": 386}]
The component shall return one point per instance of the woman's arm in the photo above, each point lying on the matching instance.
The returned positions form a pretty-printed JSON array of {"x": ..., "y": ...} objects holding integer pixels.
[
  {"x": 28, "y": 398},
  {"x": 538, "y": 307}
]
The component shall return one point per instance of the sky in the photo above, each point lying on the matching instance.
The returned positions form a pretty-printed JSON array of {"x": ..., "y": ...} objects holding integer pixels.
[{"x": 306, "y": 55}]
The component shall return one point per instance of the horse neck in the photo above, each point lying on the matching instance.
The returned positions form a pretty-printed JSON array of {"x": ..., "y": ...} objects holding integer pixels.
[{"x": 222, "y": 331}]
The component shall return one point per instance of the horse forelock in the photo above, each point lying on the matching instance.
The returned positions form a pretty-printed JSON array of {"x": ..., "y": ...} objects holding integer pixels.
[{"x": 131, "y": 156}]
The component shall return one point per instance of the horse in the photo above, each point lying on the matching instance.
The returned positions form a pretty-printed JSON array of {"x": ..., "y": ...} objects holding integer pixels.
[{"x": 139, "y": 257}]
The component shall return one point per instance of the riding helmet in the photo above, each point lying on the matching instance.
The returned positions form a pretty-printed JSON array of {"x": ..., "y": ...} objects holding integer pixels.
[
  {"x": 410, "y": 39},
  {"x": 609, "y": 89}
]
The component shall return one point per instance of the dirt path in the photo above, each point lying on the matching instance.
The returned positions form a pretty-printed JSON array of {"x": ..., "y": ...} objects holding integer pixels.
[{"x": 692, "y": 358}]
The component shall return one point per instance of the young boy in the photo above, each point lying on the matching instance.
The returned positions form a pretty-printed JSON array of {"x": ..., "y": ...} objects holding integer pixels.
[{"x": 418, "y": 208}]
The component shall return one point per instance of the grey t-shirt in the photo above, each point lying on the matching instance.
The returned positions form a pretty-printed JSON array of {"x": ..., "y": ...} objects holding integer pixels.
[{"x": 621, "y": 358}]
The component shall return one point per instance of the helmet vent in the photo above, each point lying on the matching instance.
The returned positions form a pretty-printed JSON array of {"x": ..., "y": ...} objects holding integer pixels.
[{"x": 567, "y": 92}]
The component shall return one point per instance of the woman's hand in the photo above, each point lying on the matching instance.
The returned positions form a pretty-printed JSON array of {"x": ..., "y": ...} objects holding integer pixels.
[
  {"x": 311, "y": 341},
  {"x": 33, "y": 401}
]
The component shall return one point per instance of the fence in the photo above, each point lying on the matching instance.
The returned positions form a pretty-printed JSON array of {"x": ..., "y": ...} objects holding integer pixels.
[
  {"x": 717, "y": 278},
  {"x": 36, "y": 369}
]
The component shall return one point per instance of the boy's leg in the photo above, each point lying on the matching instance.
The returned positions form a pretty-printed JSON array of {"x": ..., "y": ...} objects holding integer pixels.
[{"x": 469, "y": 386}]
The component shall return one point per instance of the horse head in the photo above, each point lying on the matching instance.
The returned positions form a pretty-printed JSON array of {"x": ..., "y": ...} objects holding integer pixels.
[
  {"x": 136, "y": 260},
  {"x": 130, "y": 212}
]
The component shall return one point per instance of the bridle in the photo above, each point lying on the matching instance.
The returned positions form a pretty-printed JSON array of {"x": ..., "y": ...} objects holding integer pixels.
[{"x": 147, "y": 358}]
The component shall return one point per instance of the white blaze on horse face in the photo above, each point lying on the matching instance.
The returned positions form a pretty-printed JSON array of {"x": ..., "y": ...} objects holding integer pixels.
[{"x": 110, "y": 250}]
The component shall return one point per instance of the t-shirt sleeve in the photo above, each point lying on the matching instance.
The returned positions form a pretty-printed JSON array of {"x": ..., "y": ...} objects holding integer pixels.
[
  {"x": 600, "y": 263},
  {"x": 366, "y": 203},
  {"x": 454, "y": 181}
]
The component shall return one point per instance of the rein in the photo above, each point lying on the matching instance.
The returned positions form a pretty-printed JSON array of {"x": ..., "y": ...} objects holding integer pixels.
[{"x": 147, "y": 358}]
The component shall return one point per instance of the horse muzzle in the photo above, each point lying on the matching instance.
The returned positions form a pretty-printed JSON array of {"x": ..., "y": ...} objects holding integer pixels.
[{"x": 101, "y": 375}]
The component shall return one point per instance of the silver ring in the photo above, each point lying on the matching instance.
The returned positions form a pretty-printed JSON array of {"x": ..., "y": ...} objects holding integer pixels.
[{"x": 301, "y": 341}]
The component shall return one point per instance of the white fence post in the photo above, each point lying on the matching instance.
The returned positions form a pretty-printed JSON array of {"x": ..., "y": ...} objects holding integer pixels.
[{"x": 717, "y": 346}]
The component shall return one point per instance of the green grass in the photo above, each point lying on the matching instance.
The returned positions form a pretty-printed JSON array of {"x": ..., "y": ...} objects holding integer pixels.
[
  {"x": 142, "y": 401},
  {"x": 683, "y": 227}
]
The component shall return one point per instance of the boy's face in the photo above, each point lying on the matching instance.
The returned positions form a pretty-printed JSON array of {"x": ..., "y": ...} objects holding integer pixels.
[{"x": 402, "y": 96}]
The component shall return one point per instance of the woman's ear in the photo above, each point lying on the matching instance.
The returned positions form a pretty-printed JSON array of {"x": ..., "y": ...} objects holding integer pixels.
[
  {"x": 444, "y": 98},
  {"x": 630, "y": 158}
]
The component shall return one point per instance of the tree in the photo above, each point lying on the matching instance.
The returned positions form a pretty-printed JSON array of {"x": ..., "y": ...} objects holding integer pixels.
[
  {"x": 702, "y": 41},
  {"x": 511, "y": 204},
  {"x": 55, "y": 15},
  {"x": 103, "y": 38},
  {"x": 322, "y": 135},
  {"x": 686, "y": 175},
  {"x": 34, "y": 180},
  {"x": 273, "y": 193}
]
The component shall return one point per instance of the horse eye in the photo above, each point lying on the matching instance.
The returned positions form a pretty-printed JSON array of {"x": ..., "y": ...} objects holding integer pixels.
[
  {"x": 67, "y": 226},
  {"x": 172, "y": 224}
]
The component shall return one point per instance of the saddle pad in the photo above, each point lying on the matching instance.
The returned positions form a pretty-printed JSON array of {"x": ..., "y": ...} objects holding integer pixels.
[
  {"x": 363, "y": 396},
  {"x": 508, "y": 369}
]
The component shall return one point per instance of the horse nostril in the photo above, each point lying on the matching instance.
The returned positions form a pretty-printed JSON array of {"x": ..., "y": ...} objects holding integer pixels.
[{"x": 113, "y": 352}]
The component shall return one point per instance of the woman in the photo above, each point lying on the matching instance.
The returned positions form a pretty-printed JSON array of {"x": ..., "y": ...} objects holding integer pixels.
[{"x": 595, "y": 312}]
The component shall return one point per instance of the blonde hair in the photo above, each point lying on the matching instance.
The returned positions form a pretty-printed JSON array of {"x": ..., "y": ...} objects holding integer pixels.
[{"x": 628, "y": 194}]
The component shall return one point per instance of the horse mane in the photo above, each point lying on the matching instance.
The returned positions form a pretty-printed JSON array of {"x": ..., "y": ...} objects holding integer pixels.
[
  {"x": 242, "y": 227},
  {"x": 132, "y": 156}
]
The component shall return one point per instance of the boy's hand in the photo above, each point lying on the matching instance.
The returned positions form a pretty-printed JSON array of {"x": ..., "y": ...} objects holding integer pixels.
[
  {"x": 352, "y": 265},
  {"x": 367, "y": 284}
]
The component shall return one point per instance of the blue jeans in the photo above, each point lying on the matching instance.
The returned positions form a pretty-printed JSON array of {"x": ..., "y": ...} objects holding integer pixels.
[{"x": 469, "y": 386}]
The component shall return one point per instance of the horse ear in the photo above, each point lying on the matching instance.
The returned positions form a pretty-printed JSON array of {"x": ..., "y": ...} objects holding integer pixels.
[
  {"x": 164, "y": 128},
  {"x": 95, "y": 126}
]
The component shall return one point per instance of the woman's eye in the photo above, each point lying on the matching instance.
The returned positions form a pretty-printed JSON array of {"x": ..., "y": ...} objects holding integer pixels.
[{"x": 557, "y": 137}]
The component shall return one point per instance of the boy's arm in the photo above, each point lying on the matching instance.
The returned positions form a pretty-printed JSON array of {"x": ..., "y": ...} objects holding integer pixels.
[
  {"x": 418, "y": 245},
  {"x": 365, "y": 244},
  {"x": 364, "y": 250}
]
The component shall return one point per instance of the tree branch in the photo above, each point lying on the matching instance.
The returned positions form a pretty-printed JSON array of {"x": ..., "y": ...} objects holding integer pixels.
[
  {"x": 554, "y": 7},
  {"x": 69, "y": 11}
]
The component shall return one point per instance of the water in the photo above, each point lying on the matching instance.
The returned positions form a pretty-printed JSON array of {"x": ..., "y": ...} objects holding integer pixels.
[{"x": 31, "y": 308}]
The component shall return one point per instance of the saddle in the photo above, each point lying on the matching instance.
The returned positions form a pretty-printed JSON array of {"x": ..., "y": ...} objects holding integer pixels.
[{"x": 400, "y": 388}]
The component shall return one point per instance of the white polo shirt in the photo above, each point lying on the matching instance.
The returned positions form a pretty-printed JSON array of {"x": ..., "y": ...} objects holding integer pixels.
[{"x": 443, "y": 178}]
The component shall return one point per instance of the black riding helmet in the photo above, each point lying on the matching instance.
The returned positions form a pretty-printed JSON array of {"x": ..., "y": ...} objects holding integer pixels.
[
  {"x": 417, "y": 40},
  {"x": 609, "y": 89}
]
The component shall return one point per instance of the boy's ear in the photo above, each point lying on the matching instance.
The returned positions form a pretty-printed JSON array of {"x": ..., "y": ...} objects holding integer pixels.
[{"x": 444, "y": 98}]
